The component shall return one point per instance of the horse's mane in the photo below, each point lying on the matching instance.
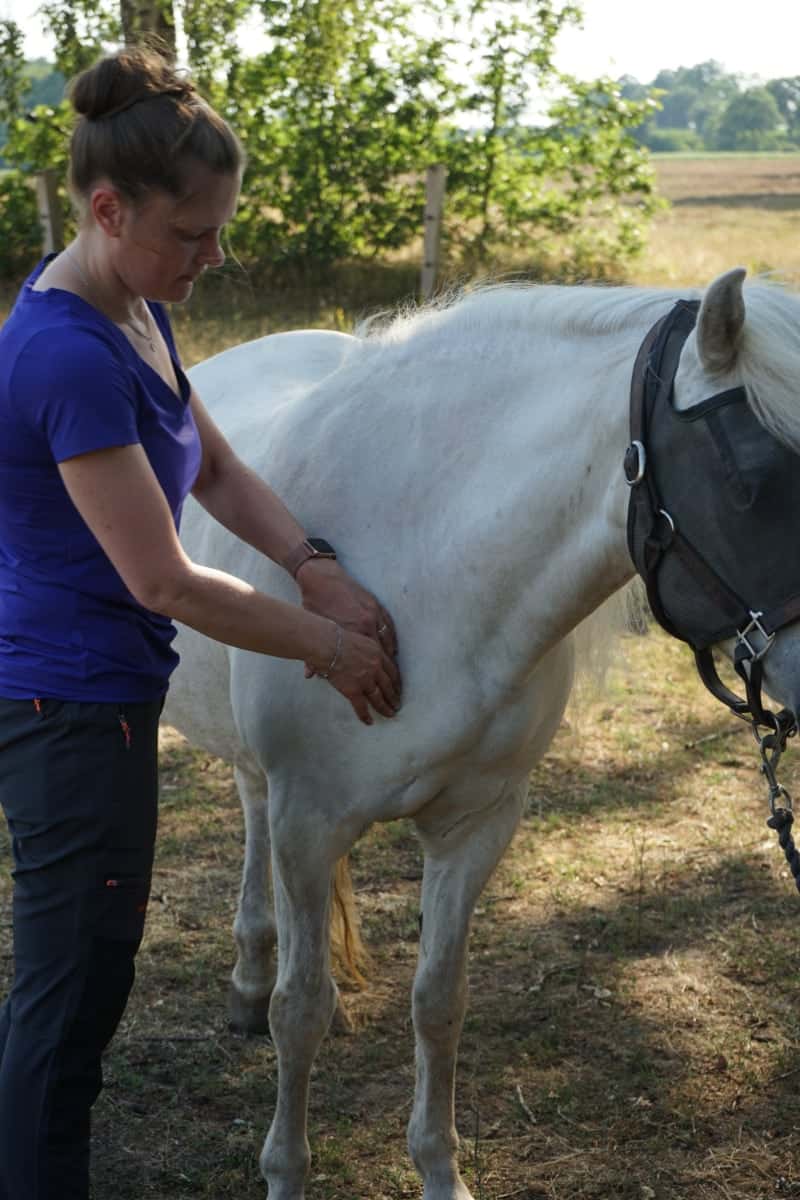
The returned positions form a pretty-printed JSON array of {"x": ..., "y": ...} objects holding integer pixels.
[
  {"x": 769, "y": 358},
  {"x": 488, "y": 308}
]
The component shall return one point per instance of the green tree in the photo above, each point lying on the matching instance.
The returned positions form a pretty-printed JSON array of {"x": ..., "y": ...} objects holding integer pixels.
[
  {"x": 19, "y": 222},
  {"x": 338, "y": 116},
  {"x": 349, "y": 102},
  {"x": 714, "y": 88},
  {"x": 786, "y": 94},
  {"x": 13, "y": 84},
  {"x": 676, "y": 108},
  {"x": 692, "y": 100},
  {"x": 750, "y": 121},
  {"x": 511, "y": 47},
  {"x": 576, "y": 186}
]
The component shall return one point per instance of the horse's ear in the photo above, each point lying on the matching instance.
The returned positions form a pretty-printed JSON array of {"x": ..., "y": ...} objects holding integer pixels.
[{"x": 721, "y": 321}]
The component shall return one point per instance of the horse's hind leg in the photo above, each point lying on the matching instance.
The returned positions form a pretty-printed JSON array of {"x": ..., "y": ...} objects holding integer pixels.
[
  {"x": 458, "y": 863},
  {"x": 254, "y": 926}
]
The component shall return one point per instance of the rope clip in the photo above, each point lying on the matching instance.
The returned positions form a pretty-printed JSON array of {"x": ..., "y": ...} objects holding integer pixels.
[{"x": 781, "y": 818}]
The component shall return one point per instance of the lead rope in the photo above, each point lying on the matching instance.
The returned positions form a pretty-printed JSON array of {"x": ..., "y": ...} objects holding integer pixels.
[{"x": 771, "y": 746}]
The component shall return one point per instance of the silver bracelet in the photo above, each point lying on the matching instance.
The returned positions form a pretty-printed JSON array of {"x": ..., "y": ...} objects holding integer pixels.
[{"x": 336, "y": 653}]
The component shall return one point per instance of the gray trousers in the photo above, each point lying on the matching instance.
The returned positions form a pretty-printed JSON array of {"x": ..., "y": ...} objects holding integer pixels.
[{"x": 79, "y": 787}]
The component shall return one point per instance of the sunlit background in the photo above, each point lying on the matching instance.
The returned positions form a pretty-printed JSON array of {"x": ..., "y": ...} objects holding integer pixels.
[{"x": 621, "y": 37}]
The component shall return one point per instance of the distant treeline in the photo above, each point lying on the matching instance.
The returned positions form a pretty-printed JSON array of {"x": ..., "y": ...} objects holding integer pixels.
[
  {"x": 699, "y": 108},
  {"x": 705, "y": 108}
]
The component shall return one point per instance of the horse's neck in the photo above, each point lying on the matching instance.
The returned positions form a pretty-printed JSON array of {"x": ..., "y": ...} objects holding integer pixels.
[{"x": 561, "y": 532}]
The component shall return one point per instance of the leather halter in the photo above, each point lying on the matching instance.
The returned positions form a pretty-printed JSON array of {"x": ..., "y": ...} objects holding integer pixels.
[{"x": 689, "y": 591}]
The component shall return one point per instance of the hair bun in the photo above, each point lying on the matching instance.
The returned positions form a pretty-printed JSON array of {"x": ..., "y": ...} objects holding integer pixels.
[
  {"x": 128, "y": 77},
  {"x": 144, "y": 146}
]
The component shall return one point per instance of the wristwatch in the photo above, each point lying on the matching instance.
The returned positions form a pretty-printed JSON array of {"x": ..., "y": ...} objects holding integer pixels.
[{"x": 312, "y": 547}]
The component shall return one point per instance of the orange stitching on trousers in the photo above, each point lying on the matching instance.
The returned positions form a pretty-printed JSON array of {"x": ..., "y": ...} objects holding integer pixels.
[{"x": 126, "y": 729}]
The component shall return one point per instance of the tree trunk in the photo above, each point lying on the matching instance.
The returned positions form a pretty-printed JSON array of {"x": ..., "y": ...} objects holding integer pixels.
[{"x": 149, "y": 21}]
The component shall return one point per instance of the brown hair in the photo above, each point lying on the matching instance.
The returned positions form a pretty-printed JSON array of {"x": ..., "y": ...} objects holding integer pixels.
[{"x": 142, "y": 123}]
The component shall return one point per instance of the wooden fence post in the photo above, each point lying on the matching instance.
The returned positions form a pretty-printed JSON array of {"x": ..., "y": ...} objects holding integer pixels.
[
  {"x": 434, "y": 202},
  {"x": 49, "y": 211}
]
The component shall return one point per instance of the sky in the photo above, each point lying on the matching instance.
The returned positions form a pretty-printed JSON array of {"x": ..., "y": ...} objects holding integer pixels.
[{"x": 629, "y": 37}]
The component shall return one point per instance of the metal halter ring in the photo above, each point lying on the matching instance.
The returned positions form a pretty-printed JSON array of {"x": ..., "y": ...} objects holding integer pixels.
[
  {"x": 634, "y": 473},
  {"x": 662, "y": 512}
]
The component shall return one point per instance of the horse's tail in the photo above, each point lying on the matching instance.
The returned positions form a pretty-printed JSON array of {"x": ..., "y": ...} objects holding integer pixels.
[{"x": 350, "y": 955}]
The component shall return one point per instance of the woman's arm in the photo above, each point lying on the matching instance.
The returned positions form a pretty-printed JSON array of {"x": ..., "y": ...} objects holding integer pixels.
[
  {"x": 237, "y": 497},
  {"x": 241, "y": 501},
  {"x": 121, "y": 501}
]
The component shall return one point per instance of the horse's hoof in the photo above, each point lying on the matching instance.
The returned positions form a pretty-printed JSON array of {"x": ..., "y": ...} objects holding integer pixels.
[{"x": 247, "y": 1015}]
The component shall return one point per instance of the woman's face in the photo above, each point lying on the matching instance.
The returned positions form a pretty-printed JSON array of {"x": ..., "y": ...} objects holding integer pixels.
[{"x": 165, "y": 241}]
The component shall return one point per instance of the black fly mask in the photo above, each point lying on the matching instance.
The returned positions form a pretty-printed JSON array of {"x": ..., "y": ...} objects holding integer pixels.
[{"x": 711, "y": 493}]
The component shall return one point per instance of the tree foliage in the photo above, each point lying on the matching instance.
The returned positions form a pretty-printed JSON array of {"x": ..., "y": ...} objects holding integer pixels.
[
  {"x": 705, "y": 107},
  {"x": 343, "y": 105},
  {"x": 336, "y": 116},
  {"x": 750, "y": 121},
  {"x": 786, "y": 94}
]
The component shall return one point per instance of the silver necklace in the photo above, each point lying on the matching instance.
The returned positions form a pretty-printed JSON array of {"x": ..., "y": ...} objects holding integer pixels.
[{"x": 141, "y": 331}]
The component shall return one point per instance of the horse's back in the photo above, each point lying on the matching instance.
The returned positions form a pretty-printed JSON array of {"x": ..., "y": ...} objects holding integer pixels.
[{"x": 243, "y": 388}]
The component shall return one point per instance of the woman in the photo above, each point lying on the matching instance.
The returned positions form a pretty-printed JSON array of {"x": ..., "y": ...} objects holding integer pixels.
[{"x": 101, "y": 438}]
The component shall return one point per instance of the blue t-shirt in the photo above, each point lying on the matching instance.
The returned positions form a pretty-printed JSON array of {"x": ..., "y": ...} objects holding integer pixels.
[{"x": 70, "y": 383}]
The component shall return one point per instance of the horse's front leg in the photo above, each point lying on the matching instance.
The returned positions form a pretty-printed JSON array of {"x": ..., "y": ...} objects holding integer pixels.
[
  {"x": 254, "y": 926},
  {"x": 458, "y": 863},
  {"x": 304, "y": 996}
]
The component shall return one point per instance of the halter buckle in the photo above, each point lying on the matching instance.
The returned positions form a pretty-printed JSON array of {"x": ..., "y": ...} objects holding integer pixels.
[{"x": 754, "y": 626}]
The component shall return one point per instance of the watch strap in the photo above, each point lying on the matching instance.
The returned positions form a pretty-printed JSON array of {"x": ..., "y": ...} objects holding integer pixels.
[{"x": 306, "y": 550}]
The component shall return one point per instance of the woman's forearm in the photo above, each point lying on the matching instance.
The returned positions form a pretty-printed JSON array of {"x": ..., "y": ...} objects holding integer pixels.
[
  {"x": 241, "y": 501},
  {"x": 229, "y": 610}
]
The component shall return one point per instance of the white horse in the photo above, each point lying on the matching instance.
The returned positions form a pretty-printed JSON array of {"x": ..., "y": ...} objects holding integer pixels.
[{"x": 465, "y": 461}]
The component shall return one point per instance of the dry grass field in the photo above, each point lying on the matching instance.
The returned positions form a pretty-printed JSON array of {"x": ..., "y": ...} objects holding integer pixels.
[
  {"x": 727, "y": 210},
  {"x": 634, "y": 1028}
]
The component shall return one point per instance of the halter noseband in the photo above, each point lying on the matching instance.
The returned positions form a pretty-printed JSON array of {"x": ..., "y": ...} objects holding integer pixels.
[{"x": 675, "y": 462}]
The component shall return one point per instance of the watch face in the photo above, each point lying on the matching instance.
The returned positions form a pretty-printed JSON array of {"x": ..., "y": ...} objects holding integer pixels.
[{"x": 320, "y": 545}]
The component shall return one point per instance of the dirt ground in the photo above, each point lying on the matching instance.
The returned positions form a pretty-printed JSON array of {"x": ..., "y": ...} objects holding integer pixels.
[{"x": 635, "y": 995}]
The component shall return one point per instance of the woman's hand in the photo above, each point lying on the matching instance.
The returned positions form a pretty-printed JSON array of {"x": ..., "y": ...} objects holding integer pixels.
[
  {"x": 363, "y": 673},
  {"x": 366, "y": 669},
  {"x": 330, "y": 592}
]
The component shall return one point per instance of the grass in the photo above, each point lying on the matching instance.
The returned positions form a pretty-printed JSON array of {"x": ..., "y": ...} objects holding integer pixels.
[
  {"x": 634, "y": 1025},
  {"x": 726, "y": 211}
]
